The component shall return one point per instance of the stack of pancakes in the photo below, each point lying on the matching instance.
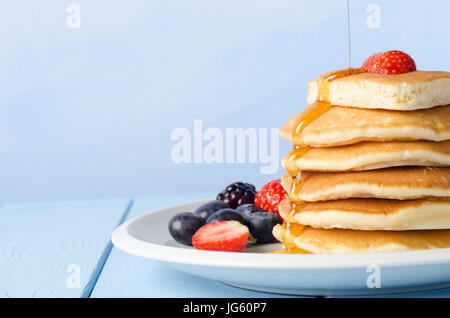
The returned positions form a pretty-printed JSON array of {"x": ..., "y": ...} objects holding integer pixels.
[{"x": 372, "y": 172}]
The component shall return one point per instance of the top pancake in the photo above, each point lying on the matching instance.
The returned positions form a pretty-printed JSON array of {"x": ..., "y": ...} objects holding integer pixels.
[
  {"x": 347, "y": 125},
  {"x": 409, "y": 91}
]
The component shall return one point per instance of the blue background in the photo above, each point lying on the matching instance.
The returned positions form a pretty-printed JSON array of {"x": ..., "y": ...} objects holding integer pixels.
[{"x": 88, "y": 113}]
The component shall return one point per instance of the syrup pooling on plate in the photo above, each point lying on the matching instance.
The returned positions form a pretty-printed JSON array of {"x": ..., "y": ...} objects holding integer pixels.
[
  {"x": 303, "y": 119},
  {"x": 289, "y": 231}
]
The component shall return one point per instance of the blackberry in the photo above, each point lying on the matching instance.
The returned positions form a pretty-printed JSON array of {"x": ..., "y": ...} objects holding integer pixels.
[{"x": 238, "y": 193}]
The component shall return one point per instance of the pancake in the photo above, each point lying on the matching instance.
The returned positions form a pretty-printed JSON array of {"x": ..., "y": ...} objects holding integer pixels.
[
  {"x": 284, "y": 208},
  {"x": 370, "y": 155},
  {"x": 371, "y": 214},
  {"x": 336, "y": 241},
  {"x": 276, "y": 231},
  {"x": 347, "y": 125},
  {"x": 409, "y": 91},
  {"x": 402, "y": 183}
]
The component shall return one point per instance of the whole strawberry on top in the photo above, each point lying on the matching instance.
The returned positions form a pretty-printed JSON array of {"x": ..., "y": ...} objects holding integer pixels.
[
  {"x": 389, "y": 63},
  {"x": 270, "y": 196}
]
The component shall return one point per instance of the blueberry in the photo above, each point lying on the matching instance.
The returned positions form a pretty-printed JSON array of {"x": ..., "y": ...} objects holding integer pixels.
[
  {"x": 247, "y": 209},
  {"x": 207, "y": 209},
  {"x": 260, "y": 225},
  {"x": 183, "y": 226},
  {"x": 226, "y": 215}
]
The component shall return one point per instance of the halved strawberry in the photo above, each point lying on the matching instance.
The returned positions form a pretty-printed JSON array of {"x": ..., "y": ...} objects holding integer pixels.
[
  {"x": 389, "y": 63},
  {"x": 225, "y": 236},
  {"x": 270, "y": 196}
]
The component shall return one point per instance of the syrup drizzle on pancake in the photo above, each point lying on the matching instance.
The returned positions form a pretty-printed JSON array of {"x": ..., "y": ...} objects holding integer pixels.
[
  {"x": 302, "y": 120},
  {"x": 313, "y": 111}
]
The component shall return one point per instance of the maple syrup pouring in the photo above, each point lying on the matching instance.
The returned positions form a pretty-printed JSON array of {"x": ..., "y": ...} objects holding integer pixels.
[{"x": 349, "y": 35}]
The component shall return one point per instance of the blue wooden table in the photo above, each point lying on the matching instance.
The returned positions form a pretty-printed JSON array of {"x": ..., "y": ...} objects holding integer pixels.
[{"x": 63, "y": 249}]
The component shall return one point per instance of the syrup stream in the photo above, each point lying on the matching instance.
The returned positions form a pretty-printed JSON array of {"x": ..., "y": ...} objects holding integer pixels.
[{"x": 349, "y": 35}]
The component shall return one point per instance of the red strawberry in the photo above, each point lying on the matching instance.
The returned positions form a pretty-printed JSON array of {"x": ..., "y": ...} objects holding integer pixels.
[
  {"x": 389, "y": 63},
  {"x": 371, "y": 61},
  {"x": 225, "y": 236},
  {"x": 270, "y": 195}
]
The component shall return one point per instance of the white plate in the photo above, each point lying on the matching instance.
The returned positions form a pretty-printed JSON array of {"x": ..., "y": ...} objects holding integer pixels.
[{"x": 303, "y": 274}]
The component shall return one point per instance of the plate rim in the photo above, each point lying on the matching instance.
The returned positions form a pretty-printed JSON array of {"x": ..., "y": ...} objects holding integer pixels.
[{"x": 124, "y": 241}]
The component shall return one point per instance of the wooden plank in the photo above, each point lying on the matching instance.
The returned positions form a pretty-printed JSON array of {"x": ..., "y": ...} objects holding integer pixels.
[
  {"x": 125, "y": 275},
  {"x": 55, "y": 249}
]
